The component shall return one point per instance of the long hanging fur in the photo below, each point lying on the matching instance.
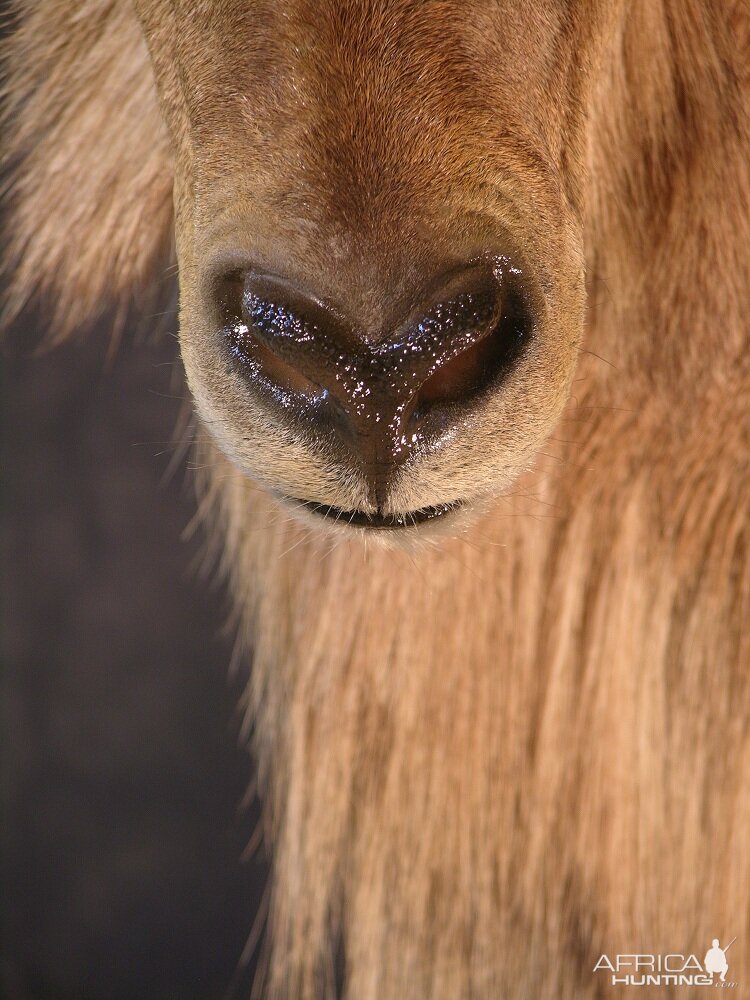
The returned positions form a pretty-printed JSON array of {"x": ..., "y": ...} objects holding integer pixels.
[
  {"x": 489, "y": 762},
  {"x": 85, "y": 162}
]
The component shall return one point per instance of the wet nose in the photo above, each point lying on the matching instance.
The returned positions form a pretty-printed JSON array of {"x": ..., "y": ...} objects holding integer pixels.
[{"x": 378, "y": 398}]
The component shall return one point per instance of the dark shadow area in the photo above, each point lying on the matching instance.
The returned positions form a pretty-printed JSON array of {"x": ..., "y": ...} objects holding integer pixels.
[{"x": 121, "y": 764}]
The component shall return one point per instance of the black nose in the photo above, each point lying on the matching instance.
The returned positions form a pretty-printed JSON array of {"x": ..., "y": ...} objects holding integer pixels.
[{"x": 378, "y": 399}]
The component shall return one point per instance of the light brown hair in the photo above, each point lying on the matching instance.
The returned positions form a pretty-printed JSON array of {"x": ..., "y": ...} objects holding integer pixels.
[{"x": 486, "y": 759}]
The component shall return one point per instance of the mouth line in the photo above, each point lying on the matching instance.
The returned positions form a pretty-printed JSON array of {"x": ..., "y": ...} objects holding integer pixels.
[{"x": 379, "y": 521}]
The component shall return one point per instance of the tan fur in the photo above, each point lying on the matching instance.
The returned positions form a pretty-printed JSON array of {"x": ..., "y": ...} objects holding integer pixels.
[
  {"x": 486, "y": 760},
  {"x": 89, "y": 201}
]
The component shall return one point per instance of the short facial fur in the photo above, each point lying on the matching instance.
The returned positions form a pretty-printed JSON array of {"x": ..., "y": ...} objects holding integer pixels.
[{"x": 359, "y": 150}]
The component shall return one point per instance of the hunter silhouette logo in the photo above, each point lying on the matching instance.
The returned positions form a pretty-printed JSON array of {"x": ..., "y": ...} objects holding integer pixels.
[
  {"x": 716, "y": 959},
  {"x": 673, "y": 969}
]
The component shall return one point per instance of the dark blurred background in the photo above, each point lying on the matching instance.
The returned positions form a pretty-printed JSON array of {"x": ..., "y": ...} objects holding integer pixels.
[{"x": 122, "y": 768}]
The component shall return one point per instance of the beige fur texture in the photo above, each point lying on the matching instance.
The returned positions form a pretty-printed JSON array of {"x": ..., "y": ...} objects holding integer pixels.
[{"x": 490, "y": 756}]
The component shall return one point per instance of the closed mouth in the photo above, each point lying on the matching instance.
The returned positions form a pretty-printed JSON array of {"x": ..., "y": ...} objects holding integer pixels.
[{"x": 379, "y": 521}]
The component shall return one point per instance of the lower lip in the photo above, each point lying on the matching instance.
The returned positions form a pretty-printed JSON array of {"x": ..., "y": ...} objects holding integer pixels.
[{"x": 379, "y": 522}]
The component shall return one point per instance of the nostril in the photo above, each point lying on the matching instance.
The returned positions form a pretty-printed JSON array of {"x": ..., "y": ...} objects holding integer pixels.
[
  {"x": 461, "y": 378},
  {"x": 268, "y": 339},
  {"x": 266, "y": 365},
  {"x": 478, "y": 368}
]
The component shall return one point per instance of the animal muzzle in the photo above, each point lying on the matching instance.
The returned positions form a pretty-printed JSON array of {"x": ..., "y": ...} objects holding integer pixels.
[{"x": 376, "y": 400}]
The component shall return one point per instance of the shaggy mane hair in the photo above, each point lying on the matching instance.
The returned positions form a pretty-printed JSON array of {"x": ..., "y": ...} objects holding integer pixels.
[{"x": 489, "y": 761}]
